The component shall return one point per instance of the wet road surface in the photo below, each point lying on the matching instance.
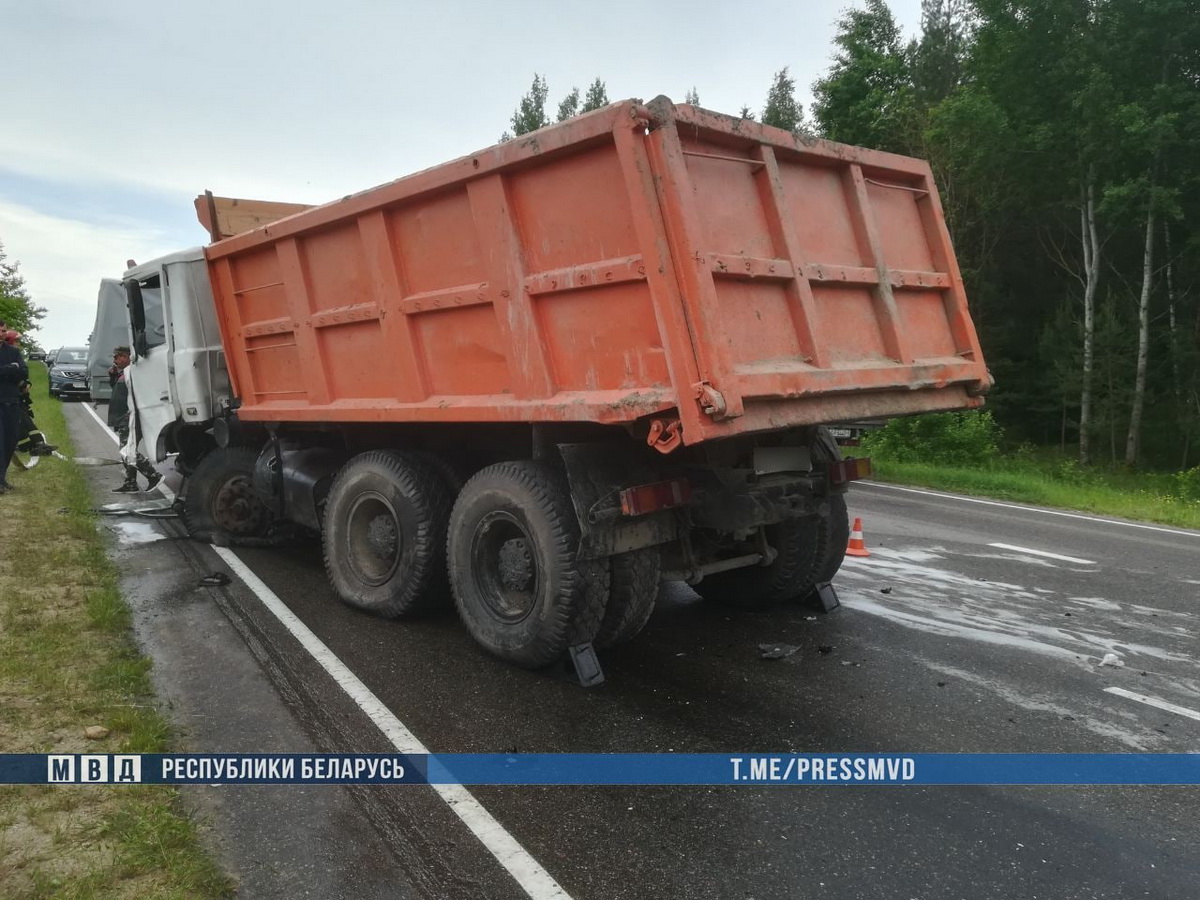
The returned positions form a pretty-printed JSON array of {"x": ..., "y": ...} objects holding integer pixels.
[{"x": 944, "y": 642}]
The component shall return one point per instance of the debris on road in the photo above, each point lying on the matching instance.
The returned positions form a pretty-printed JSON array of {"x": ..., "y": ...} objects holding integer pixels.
[
  {"x": 1111, "y": 659},
  {"x": 825, "y": 648},
  {"x": 886, "y": 590},
  {"x": 776, "y": 651},
  {"x": 216, "y": 579}
]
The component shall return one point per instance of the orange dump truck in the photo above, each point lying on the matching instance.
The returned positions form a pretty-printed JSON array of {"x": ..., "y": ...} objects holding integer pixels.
[{"x": 544, "y": 377}]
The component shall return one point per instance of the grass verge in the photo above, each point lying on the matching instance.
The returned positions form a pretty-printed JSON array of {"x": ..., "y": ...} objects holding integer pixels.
[
  {"x": 68, "y": 661},
  {"x": 1060, "y": 484}
]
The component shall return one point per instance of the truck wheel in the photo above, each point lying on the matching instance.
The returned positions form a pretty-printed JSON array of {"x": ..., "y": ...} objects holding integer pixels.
[
  {"x": 220, "y": 502},
  {"x": 833, "y": 534},
  {"x": 634, "y": 588},
  {"x": 790, "y": 576},
  {"x": 384, "y": 534},
  {"x": 518, "y": 586}
]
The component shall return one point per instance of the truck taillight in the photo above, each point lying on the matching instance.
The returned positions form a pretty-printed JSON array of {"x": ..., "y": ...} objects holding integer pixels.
[
  {"x": 850, "y": 470},
  {"x": 648, "y": 498}
]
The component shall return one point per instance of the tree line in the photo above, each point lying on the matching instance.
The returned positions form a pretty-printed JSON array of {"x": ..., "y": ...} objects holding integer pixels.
[
  {"x": 1065, "y": 139},
  {"x": 17, "y": 309}
]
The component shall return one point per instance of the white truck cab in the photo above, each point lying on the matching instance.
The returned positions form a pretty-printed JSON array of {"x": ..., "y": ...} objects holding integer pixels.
[{"x": 178, "y": 378}]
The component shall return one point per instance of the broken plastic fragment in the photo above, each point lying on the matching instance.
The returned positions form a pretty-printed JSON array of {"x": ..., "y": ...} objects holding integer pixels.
[{"x": 776, "y": 651}]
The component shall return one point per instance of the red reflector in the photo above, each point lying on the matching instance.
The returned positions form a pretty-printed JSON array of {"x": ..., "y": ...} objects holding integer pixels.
[
  {"x": 648, "y": 498},
  {"x": 850, "y": 470}
]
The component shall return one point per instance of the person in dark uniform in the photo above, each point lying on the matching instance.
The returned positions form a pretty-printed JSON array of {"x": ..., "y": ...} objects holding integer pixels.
[
  {"x": 118, "y": 420},
  {"x": 13, "y": 372}
]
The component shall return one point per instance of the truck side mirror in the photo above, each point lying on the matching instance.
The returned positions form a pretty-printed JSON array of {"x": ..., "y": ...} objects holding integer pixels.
[{"x": 137, "y": 316}]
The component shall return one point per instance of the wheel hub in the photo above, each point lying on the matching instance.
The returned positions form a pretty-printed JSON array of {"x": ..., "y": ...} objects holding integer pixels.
[
  {"x": 382, "y": 537},
  {"x": 505, "y": 566},
  {"x": 237, "y": 508},
  {"x": 373, "y": 539},
  {"x": 516, "y": 565}
]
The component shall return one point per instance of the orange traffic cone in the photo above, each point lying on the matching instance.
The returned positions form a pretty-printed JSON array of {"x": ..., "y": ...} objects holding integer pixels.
[{"x": 856, "y": 547}]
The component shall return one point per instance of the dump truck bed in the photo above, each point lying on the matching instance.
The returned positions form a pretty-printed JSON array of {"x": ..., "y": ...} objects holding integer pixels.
[{"x": 651, "y": 263}]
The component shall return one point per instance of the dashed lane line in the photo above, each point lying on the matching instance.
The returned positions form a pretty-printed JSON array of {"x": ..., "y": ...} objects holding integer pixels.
[
  {"x": 1155, "y": 702},
  {"x": 1070, "y": 559}
]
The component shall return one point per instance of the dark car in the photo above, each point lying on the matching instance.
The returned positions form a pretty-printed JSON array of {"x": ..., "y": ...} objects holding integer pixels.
[
  {"x": 68, "y": 373},
  {"x": 37, "y": 354}
]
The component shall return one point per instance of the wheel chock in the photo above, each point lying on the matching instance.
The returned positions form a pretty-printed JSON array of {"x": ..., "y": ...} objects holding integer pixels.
[
  {"x": 827, "y": 596},
  {"x": 587, "y": 665}
]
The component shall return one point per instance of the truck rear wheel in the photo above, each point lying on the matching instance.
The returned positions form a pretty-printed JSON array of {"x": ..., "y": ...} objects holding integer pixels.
[
  {"x": 632, "y": 592},
  {"x": 512, "y": 556},
  {"x": 810, "y": 551},
  {"x": 220, "y": 502},
  {"x": 792, "y": 574},
  {"x": 384, "y": 533},
  {"x": 833, "y": 536}
]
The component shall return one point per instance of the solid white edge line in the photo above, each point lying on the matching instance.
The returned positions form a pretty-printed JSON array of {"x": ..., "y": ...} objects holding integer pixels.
[
  {"x": 1037, "y": 509},
  {"x": 1155, "y": 702},
  {"x": 535, "y": 880},
  {"x": 528, "y": 872},
  {"x": 95, "y": 415},
  {"x": 1070, "y": 559}
]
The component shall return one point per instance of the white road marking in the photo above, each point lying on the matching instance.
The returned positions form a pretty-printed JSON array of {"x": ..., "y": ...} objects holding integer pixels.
[
  {"x": 1070, "y": 559},
  {"x": 95, "y": 415},
  {"x": 537, "y": 882},
  {"x": 528, "y": 872},
  {"x": 1155, "y": 702},
  {"x": 1037, "y": 509}
]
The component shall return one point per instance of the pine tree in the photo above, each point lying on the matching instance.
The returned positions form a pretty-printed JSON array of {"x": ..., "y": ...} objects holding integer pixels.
[
  {"x": 597, "y": 97},
  {"x": 569, "y": 106},
  {"x": 530, "y": 114},
  {"x": 782, "y": 110}
]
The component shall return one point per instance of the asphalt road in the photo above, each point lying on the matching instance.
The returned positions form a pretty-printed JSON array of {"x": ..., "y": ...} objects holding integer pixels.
[{"x": 944, "y": 642}]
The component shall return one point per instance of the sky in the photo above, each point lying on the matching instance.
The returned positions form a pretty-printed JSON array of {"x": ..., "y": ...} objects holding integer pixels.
[{"x": 117, "y": 114}]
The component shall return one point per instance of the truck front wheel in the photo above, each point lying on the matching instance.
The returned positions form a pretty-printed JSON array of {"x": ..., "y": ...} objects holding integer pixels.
[
  {"x": 384, "y": 533},
  {"x": 514, "y": 572},
  {"x": 220, "y": 502}
]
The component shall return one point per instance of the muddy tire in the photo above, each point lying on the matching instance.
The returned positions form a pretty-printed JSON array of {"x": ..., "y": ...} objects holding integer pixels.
[
  {"x": 791, "y": 576},
  {"x": 833, "y": 534},
  {"x": 632, "y": 593},
  {"x": 833, "y": 531},
  {"x": 384, "y": 534},
  {"x": 512, "y": 557},
  {"x": 220, "y": 504}
]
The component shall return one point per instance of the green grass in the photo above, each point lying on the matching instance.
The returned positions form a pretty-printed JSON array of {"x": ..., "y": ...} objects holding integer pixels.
[
  {"x": 1058, "y": 482},
  {"x": 67, "y": 661}
]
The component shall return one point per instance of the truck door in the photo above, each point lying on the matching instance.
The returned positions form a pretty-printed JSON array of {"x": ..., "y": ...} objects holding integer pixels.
[{"x": 150, "y": 375}]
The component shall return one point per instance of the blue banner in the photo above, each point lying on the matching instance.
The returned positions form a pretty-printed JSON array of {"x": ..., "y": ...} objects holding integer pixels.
[{"x": 734, "y": 769}]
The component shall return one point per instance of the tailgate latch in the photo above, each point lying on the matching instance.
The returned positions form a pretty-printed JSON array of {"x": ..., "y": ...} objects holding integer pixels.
[{"x": 711, "y": 400}]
